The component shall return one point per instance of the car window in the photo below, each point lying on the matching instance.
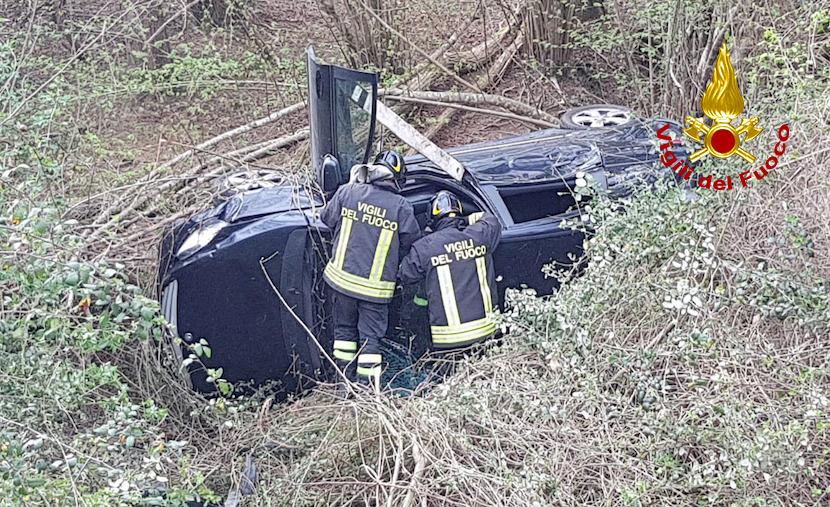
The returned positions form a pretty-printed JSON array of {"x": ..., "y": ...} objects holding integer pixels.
[
  {"x": 353, "y": 121},
  {"x": 526, "y": 203},
  {"x": 419, "y": 192}
]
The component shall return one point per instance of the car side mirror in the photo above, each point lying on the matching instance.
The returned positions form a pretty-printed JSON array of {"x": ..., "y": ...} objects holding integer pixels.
[{"x": 330, "y": 175}]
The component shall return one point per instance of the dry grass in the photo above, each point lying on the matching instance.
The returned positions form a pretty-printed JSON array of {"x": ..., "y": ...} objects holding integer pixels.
[{"x": 599, "y": 396}]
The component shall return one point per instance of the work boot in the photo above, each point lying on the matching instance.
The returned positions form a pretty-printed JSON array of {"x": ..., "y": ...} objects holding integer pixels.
[
  {"x": 342, "y": 389},
  {"x": 368, "y": 370}
]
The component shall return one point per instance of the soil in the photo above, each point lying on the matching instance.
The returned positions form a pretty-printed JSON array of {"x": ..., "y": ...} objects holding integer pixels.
[{"x": 147, "y": 129}]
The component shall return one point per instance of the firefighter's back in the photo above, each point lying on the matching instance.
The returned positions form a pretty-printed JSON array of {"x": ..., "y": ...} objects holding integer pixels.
[
  {"x": 460, "y": 276},
  {"x": 366, "y": 245}
]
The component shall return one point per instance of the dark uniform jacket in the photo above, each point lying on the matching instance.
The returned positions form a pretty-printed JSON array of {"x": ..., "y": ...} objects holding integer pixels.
[
  {"x": 372, "y": 227},
  {"x": 457, "y": 263}
]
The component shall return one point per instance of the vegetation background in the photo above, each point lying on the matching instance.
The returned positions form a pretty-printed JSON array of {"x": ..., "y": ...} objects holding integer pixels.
[{"x": 688, "y": 366}]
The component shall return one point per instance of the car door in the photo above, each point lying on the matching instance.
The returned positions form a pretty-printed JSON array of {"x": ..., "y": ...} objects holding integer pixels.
[{"x": 342, "y": 112}]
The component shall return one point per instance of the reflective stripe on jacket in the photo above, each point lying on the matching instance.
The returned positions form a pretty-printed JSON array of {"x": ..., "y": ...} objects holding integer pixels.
[
  {"x": 372, "y": 225},
  {"x": 457, "y": 263}
]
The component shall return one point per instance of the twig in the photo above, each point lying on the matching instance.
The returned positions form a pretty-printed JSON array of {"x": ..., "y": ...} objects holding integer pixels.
[
  {"x": 60, "y": 71},
  {"x": 169, "y": 20},
  {"x": 416, "y": 474}
]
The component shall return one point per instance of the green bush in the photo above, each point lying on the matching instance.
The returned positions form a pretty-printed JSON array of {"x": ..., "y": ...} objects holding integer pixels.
[
  {"x": 74, "y": 426},
  {"x": 676, "y": 343}
]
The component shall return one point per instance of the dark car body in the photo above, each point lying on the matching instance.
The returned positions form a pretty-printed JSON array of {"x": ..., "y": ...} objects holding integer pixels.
[{"x": 254, "y": 289}]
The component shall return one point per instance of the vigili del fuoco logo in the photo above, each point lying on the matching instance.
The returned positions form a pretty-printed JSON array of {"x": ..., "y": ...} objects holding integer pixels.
[{"x": 722, "y": 103}]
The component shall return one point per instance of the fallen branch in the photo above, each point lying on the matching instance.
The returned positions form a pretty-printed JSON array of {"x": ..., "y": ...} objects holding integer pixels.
[
  {"x": 259, "y": 151},
  {"x": 461, "y": 107},
  {"x": 418, "y": 76},
  {"x": 231, "y": 156},
  {"x": 116, "y": 211},
  {"x": 463, "y": 60},
  {"x": 265, "y": 149},
  {"x": 475, "y": 99},
  {"x": 271, "y": 118},
  {"x": 485, "y": 80},
  {"x": 282, "y": 142}
]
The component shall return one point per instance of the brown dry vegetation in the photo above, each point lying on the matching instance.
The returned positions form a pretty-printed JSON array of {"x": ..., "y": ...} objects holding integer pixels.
[{"x": 601, "y": 395}]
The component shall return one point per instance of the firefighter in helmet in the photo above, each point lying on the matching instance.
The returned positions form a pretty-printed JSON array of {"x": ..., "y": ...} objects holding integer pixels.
[
  {"x": 456, "y": 260},
  {"x": 373, "y": 227}
]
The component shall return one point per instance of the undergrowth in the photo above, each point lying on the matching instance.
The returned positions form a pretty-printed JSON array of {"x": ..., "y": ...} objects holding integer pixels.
[
  {"x": 675, "y": 371},
  {"x": 687, "y": 365},
  {"x": 76, "y": 423}
]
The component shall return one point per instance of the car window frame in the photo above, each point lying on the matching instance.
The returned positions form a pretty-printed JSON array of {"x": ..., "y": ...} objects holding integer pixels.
[
  {"x": 471, "y": 192},
  {"x": 494, "y": 195}
]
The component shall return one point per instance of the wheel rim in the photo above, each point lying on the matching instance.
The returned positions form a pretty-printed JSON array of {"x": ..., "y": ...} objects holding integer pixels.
[
  {"x": 601, "y": 117},
  {"x": 248, "y": 180}
]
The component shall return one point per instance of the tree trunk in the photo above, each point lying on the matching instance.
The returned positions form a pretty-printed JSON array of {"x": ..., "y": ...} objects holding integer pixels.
[
  {"x": 160, "y": 48},
  {"x": 365, "y": 42},
  {"x": 547, "y": 28}
]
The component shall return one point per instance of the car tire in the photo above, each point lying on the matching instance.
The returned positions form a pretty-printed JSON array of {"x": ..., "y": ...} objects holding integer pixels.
[{"x": 596, "y": 116}]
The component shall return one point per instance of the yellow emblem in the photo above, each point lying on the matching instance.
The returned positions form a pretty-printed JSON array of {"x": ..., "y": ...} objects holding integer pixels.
[{"x": 722, "y": 102}]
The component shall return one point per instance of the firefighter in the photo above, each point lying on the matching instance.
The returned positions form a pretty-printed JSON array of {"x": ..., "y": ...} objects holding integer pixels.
[
  {"x": 373, "y": 227},
  {"x": 456, "y": 259}
]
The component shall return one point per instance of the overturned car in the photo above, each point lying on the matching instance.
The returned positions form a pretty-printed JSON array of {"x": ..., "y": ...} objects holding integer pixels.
[{"x": 245, "y": 276}]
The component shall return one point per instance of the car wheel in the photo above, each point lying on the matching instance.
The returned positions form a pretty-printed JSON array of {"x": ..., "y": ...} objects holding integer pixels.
[
  {"x": 251, "y": 179},
  {"x": 596, "y": 116}
]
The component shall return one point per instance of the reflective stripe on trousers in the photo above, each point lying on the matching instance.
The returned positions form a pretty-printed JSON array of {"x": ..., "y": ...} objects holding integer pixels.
[
  {"x": 345, "y": 350},
  {"x": 369, "y": 365}
]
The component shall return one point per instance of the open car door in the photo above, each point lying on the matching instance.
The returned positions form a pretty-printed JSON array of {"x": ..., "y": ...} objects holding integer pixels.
[{"x": 342, "y": 110}]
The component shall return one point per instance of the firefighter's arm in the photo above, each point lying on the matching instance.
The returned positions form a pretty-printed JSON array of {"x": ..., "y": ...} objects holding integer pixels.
[
  {"x": 486, "y": 228},
  {"x": 408, "y": 229},
  {"x": 330, "y": 214},
  {"x": 412, "y": 268}
]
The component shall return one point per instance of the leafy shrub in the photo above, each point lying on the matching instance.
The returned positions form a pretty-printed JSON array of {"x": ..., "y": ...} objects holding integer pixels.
[
  {"x": 73, "y": 425},
  {"x": 674, "y": 345},
  {"x": 191, "y": 75}
]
